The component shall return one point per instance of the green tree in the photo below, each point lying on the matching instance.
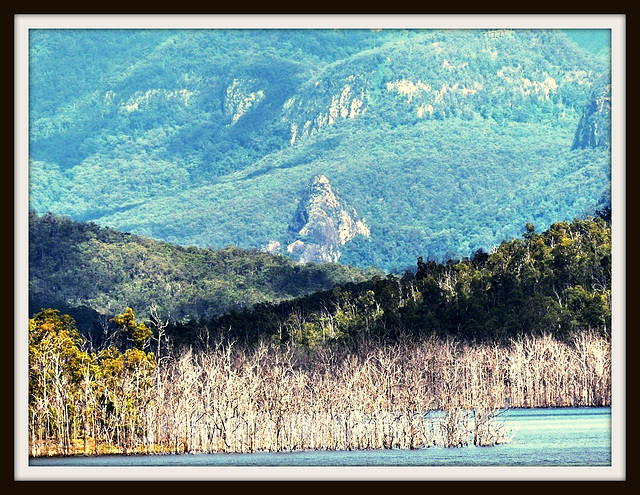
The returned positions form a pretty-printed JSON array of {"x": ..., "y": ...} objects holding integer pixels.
[
  {"x": 56, "y": 369},
  {"x": 126, "y": 383},
  {"x": 138, "y": 333}
]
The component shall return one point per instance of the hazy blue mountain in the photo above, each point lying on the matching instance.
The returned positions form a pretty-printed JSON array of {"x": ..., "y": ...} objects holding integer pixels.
[{"x": 442, "y": 141}]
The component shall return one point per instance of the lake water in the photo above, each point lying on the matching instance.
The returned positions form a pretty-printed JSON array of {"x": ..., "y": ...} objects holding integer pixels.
[{"x": 553, "y": 437}]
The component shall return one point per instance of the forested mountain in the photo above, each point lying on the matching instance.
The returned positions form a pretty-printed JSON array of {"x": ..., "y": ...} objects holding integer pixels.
[
  {"x": 94, "y": 272},
  {"x": 439, "y": 142}
]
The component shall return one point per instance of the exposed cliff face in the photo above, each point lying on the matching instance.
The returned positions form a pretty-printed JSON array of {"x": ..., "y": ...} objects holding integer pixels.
[
  {"x": 594, "y": 129},
  {"x": 323, "y": 223},
  {"x": 471, "y": 74},
  {"x": 324, "y": 103},
  {"x": 241, "y": 95}
]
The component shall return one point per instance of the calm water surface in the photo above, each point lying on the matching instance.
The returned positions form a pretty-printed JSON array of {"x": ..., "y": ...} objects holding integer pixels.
[{"x": 542, "y": 437}]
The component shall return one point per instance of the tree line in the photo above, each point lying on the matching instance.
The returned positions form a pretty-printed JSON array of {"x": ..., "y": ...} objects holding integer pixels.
[
  {"x": 557, "y": 281},
  {"x": 87, "y": 270}
]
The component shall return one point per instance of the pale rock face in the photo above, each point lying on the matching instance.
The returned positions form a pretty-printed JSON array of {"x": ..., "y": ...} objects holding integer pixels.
[
  {"x": 323, "y": 224},
  {"x": 447, "y": 65},
  {"x": 579, "y": 77},
  {"x": 144, "y": 100},
  {"x": 408, "y": 88},
  {"x": 344, "y": 104},
  {"x": 422, "y": 97},
  {"x": 498, "y": 33},
  {"x": 241, "y": 95},
  {"x": 594, "y": 128},
  {"x": 541, "y": 88},
  {"x": 273, "y": 247}
]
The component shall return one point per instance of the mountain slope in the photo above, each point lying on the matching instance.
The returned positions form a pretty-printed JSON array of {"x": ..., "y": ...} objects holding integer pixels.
[
  {"x": 79, "y": 264},
  {"x": 446, "y": 141}
]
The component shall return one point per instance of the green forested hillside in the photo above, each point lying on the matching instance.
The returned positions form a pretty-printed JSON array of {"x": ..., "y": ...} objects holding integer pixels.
[
  {"x": 556, "y": 282},
  {"x": 444, "y": 141},
  {"x": 88, "y": 271}
]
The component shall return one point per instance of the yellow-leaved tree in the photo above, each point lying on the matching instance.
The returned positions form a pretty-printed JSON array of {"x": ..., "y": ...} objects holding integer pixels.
[{"x": 59, "y": 393}]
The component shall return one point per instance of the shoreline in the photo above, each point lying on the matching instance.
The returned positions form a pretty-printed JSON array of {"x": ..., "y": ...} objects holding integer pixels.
[{"x": 302, "y": 450}]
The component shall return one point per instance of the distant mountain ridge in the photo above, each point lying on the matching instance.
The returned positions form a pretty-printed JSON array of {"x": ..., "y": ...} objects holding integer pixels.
[{"x": 446, "y": 141}]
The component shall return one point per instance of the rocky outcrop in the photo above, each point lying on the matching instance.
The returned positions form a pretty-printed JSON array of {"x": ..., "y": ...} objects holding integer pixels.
[
  {"x": 324, "y": 104},
  {"x": 240, "y": 96},
  {"x": 322, "y": 224},
  {"x": 594, "y": 128}
]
